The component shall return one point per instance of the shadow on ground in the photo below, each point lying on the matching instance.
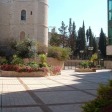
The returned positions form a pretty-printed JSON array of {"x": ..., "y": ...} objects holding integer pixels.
[{"x": 63, "y": 93}]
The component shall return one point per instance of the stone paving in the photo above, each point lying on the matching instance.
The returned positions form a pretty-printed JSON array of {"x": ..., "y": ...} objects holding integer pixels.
[{"x": 64, "y": 93}]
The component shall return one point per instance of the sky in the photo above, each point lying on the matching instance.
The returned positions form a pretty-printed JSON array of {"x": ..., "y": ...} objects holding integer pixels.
[{"x": 93, "y": 12}]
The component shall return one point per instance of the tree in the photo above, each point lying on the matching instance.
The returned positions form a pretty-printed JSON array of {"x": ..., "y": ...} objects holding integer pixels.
[
  {"x": 55, "y": 39},
  {"x": 70, "y": 27},
  {"x": 102, "y": 43},
  {"x": 95, "y": 47},
  {"x": 63, "y": 34},
  {"x": 72, "y": 36},
  {"x": 81, "y": 43},
  {"x": 89, "y": 36}
]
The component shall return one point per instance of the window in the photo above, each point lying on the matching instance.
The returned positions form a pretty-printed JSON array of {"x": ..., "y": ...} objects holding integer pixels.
[
  {"x": 110, "y": 5},
  {"x": 23, "y": 15},
  {"x": 31, "y": 13}
]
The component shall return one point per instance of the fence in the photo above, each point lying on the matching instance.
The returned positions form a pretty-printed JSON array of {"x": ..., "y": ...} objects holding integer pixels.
[{"x": 71, "y": 64}]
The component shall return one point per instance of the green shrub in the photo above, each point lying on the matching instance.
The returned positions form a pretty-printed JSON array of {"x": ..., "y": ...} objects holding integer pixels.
[
  {"x": 59, "y": 53},
  {"x": 103, "y": 100},
  {"x": 41, "y": 49},
  {"x": 43, "y": 59},
  {"x": 32, "y": 64},
  {"x": 17, "y": 60},
  {"x": 3, "y": 61},
  {"x": 24, "y": 48}
]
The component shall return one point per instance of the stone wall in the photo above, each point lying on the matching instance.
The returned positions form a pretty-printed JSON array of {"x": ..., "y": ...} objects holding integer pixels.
[{"x": 35, "y": 25}]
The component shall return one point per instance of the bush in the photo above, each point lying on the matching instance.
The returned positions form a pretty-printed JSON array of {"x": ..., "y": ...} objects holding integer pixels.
[
  {"x": 3, "y": 61},
  {"x": 103, "y": 102},
  {"x": 16, "y": 60},
  {"x": 41, "y": 49},
  {"x": 59, "y": 53},
  {"x": 43, "y": 63},
  {"x": 32, "y": 64},
  {"x": 24, "y": 48}
]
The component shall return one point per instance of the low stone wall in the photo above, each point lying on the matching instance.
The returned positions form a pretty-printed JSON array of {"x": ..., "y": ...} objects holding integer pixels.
[
  {"x": 108, "y": 64},
  {"x": 26, "y": 74},
  {"x": 85, "y": 70},
  {"x": 23, "y": 74},
  {"x": 50, "y": 61},
  {"x": 55, "y": 62}
]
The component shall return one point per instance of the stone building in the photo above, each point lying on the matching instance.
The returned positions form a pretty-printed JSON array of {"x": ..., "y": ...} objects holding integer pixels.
[
  {"x": 109, "y": 12},
  {"x": 22, "y": 18}
]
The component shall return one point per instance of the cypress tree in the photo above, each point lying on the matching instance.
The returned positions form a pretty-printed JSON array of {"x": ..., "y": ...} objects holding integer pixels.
[{"x": 102, "y": 43}]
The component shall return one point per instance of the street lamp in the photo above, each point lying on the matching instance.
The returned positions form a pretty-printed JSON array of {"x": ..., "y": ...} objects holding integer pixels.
[
  {"x": 90, "y": 49},
  {"x": 99, "y": 57},
  {"x": 81, "y": 51}
]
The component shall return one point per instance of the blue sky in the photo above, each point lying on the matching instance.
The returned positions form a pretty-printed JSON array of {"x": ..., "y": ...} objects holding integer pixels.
[{"x": 93, "y": 12}]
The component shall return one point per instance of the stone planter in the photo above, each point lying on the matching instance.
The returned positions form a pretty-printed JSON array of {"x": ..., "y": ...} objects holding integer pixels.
[
  {"x": 54, "y": 74},
  {"x": 23, "y": 74},
  {"x": 55, "y": 62},
  {"x": 27, "y": 74},
  {"x": 50, "y": 61},
  {"x": 85, "y": 70}
]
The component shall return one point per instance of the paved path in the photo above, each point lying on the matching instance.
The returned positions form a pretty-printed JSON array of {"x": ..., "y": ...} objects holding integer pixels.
[{"x": 63, "y": 93}]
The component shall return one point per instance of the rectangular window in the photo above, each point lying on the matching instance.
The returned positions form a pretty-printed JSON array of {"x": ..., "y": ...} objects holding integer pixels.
[
  {"x": 31, "y": 13},
  {"x": 110, "y": 5}
]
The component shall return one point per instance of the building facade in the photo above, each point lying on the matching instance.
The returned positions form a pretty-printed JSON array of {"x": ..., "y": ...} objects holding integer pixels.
[
  {"x": 22, "y": 18},
  {"x": 109, "y": 12},
  {"x": 109, "y": 2}
]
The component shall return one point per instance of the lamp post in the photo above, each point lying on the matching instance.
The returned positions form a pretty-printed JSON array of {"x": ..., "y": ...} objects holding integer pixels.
[
  {"x": 90, "y": 49},
  {"x": 98, "y": 57},
  {"x": 81, "y": 51}
]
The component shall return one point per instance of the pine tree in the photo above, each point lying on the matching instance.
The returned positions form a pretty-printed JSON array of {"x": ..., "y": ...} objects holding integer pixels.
[{"x": 63, "y": 37}]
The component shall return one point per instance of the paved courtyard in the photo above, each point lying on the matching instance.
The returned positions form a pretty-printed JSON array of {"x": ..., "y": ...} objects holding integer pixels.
[{"x": 64, "y": 93}]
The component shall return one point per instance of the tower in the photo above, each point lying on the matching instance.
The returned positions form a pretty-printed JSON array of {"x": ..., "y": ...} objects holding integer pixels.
[{"x": 22, "y": 18}]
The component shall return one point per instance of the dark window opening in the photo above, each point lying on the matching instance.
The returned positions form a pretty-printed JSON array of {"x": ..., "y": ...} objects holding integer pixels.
[
  {"x": 23, "y": 15},
  {"x": 31, "y": 13}
]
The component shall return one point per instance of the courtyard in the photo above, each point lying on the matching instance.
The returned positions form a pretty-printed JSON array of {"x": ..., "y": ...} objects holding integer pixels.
[{"x": 63, "y": 93}]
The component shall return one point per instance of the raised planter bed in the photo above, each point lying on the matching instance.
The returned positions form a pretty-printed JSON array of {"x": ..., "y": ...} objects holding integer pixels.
[
  {"x": 26, "y": 74},
  {"x": 85, "y": 70},
  {"x": 23, "y": 74}
]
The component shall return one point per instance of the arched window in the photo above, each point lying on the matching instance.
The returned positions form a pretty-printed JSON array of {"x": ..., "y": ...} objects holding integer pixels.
[
  {"x": 22, "y": 35},
  {"x": 23, "y": 15}
]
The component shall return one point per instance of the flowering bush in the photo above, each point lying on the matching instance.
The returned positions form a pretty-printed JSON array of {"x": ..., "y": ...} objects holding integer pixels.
[
  {"x": 9, "y": 67},
  {"x": 55, "y": 69}
]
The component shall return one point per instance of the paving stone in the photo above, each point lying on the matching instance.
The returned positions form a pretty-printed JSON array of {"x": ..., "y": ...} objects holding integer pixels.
[
  {"x": 38, "y": 87},
  {"x": 31, "y": 82},
  {"x": 11, "y": 82},
  {"x": 60, "y": 87},
  {"x": 92, "y": 91},
  {"x": 17, "y": 98},
  {"x": 67, "y": 108},
  {"x": 24, "y": 109},
  {"x": 0, "y": 99},
  {"x": 48, "y": 82},
  {"x": 85, "y": 86},
  {"x": 1, "y": 88},
  {"x": 12, "y": 88},
  {"x": 64, "y": 97},
  {"x": 68, "y": 82}
]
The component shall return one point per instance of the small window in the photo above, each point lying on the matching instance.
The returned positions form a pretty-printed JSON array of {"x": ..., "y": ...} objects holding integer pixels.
[
  {"x": 23, "y": 15},
  {"x": 31, "y": 13}
]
